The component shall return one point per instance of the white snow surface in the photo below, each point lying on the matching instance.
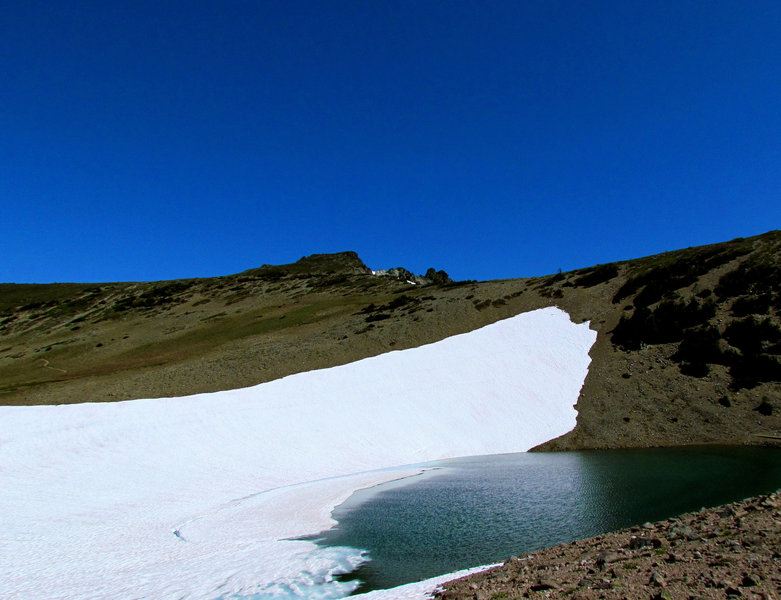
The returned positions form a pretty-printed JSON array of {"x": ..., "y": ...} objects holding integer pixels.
[{"x": 193, "y": 497}]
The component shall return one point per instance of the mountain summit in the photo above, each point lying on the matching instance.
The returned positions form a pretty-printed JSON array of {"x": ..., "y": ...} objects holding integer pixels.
[{"x": 342, "y": 263}]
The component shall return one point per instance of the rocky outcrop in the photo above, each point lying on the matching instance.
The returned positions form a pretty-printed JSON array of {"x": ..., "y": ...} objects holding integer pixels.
[
  {"x": 337, "y": 263},
  {"x": 432, "y": 276},
  {"x": 437, "y": 277}
]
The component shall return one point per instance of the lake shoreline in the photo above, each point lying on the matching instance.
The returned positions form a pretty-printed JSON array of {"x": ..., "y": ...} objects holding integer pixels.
[
  {"x": 514, "y": 504},
  {"x": 728, "y": 551}
]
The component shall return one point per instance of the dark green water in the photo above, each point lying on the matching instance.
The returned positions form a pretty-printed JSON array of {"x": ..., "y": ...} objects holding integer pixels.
[{"x": 482, "y": 510}]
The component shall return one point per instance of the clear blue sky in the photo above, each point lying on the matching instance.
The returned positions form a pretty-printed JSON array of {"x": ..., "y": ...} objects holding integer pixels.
[{"x": 151, "y": 140}]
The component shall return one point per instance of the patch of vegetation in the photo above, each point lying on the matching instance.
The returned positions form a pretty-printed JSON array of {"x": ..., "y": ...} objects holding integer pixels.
[
  {"x": 765, "y": 408},
  {"x": 460, "y": 283},
  {"x": 82, "y": 302},
  {"x": 748, "y": 372},
  {"x": 756, "y": 277},
  {"x": 757, "y": 342},
  {"x": 694, "y": 369},
  {"x": 747, "y": 346},
  {"x": 481, "y": 304},
  {"x": 272, "y": 274},
  {"x": 551, "y": 279},
  {"x": 596, "y": 275},
  {"x": 325, "y": 282},
  {"x": 664, "y": 324},
  {"x": 34, "y": 305},
  {"x": 235, "y": 297},
  {"x": 752, "y": 305},
  {"x": 659, "y": 275},
  {"x": 699, "y": 347},
  {"x": 215, "y": 316},
  {"x": 377, "y": 317},
  {"x": 399, "y": 302},
  {"x": 750, "y": 346},
  {"x": 753, "y": 336},
  {"x": 158, "y": 295},
  {"x": 551, "y": 293}
]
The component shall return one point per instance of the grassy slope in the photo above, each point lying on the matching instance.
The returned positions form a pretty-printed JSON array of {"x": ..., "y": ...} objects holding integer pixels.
[{"x": 669, "y": 366}]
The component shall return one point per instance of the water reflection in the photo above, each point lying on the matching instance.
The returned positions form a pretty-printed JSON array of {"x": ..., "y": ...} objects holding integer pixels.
[{"x": 481, "y": 510}]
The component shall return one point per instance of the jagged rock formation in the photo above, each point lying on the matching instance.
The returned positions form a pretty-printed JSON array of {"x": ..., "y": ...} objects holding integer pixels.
[
  {"x": 432, "y": 276},
  {"x": 438, "y": 277}
]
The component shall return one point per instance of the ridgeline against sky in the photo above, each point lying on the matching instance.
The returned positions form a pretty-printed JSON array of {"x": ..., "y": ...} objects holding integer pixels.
[{"x": 152, "y": 140}]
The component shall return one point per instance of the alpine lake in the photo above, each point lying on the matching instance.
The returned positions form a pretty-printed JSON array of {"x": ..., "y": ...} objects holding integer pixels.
[{"x": 466, "y": 512}]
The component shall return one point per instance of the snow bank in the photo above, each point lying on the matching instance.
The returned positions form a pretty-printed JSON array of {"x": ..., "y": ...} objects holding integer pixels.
[{"x": 192, "y": 497}]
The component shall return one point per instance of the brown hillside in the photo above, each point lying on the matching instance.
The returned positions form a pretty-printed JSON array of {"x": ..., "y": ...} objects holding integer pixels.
[{"x": 687, "y": 349}]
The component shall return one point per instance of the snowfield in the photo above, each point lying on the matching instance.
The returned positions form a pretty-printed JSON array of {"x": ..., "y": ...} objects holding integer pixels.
[{"x": 193, "y": 497}]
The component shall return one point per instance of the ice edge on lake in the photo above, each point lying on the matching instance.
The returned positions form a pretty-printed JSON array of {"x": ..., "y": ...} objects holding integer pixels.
[{"x": 197, "y": 497}]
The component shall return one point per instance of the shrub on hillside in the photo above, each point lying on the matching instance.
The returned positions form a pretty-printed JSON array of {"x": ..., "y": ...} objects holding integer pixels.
[
  {"x": 664, "y": 324},
  {"x": 702, "y": 344},
  {"x": 377, "y": 317},
  {"x": 675, "y": 271},
  {"x": 756, "y": 339},
  {"x": 596, "y": 275},
  {"x": 753, "y": 336},
  {"x": 694, "y": 369},
  {"x": 752, "y": 305},
  {"x": 272, "y": 274},
  {"x": 748, "y": 372},
  {"x": 754, "y": 278}
]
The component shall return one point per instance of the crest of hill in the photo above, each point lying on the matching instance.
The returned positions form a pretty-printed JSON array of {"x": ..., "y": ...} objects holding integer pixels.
[{"x": 338, "y": 263}]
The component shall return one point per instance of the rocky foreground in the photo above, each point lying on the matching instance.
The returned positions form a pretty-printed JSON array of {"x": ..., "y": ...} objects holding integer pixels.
[{"x": 733, "y": 551}]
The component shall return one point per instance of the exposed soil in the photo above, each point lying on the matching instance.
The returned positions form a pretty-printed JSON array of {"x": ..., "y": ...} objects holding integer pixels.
[{"x": 733, "y": 551}]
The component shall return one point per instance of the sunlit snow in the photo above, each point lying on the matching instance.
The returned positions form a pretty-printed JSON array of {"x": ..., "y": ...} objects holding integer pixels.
[{"x": 194, "y": 497}]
